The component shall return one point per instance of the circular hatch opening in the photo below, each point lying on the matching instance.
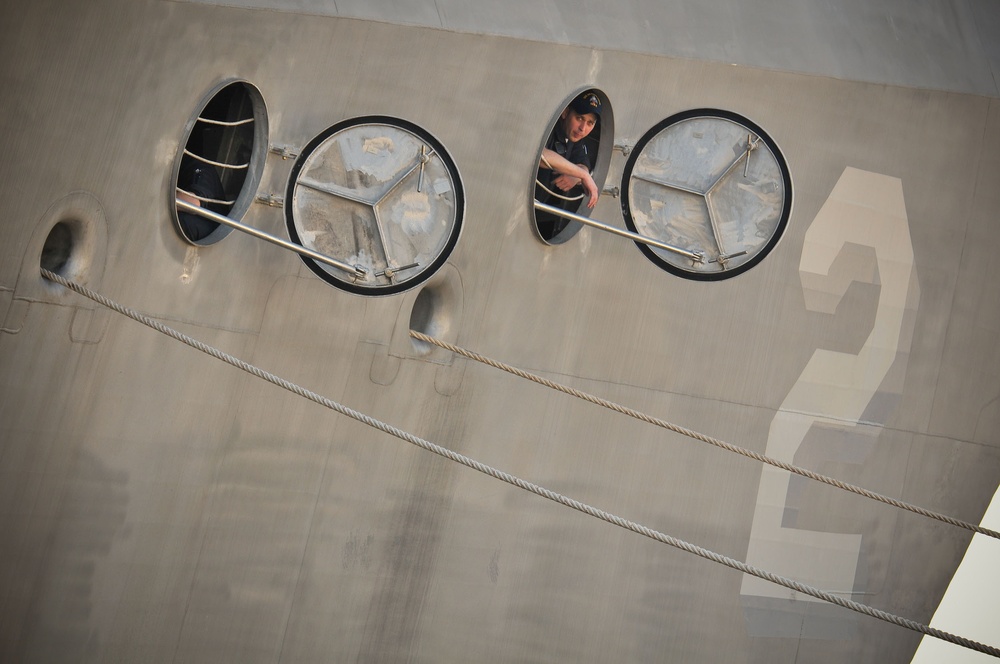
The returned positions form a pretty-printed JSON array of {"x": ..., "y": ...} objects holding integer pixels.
[
  {"x": 222, "y": 160},
  {"x": 712, "y": 185},
  {"x": 380, "y": 195},
  {"x": 593, "y": 151}
]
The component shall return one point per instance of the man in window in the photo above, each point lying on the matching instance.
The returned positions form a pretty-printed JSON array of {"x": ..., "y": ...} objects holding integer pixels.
[{"x": 564, "y": 169}]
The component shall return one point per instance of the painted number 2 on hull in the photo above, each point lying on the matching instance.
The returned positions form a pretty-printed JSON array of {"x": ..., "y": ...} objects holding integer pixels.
[{"x": 835, "y": 391}]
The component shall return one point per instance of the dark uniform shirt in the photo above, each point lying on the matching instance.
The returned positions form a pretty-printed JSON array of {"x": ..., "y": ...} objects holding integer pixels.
[
  {"x": 575, "y": 153},
  {"x": 201, "y": 180}
]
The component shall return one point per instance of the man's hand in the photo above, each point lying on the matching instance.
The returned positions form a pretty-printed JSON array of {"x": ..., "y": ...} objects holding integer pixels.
[
  {"x": 566, "y": 182},
  {"x": 591, "y": 187},
  {"x": 571, "y": 174}
]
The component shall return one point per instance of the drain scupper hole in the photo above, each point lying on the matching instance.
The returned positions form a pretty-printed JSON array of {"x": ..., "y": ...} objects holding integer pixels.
[
  {"x": 58, "y": 248},
  {"x": 70, "y": 240},
  {"x": 422, "y": 317},
  {"x": 435, "y": 311}
]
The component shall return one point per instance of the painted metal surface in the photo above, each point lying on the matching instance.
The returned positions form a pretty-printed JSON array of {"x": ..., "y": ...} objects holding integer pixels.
[
  {"x": 159, "y": 506},
  {"x": 948, "y": 46},
  {"x": 382, "y": 197},
  {"x": 711, "y": 184}
]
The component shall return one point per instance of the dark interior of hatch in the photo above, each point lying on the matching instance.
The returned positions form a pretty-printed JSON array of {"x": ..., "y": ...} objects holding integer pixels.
[{"x": 550, "y": 227}]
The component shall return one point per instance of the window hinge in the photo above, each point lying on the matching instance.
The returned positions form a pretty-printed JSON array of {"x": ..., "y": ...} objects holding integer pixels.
[
  {"x": 271, "y": 199},
  {"x": 285, "y": 151}
]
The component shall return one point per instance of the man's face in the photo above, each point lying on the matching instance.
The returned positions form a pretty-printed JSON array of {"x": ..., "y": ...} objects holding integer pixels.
[{"x": 576, "y": 126}]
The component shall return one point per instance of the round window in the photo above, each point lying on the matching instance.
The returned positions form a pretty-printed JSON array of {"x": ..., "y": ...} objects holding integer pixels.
[
  {"x": 578, "y": 141},
  {"x": 380, "y": 194},
  {"x": 221, "y": 163},
  {"x": 711, "y": 183}
]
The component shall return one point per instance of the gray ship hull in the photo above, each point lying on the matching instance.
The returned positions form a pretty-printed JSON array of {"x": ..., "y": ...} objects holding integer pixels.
[{"x": 160, "y": 505}]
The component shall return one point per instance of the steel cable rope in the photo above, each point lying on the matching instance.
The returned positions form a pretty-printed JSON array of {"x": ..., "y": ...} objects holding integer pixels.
[
  {"x": 706, "y": 439},
  {"x": 523, "y": 484}
]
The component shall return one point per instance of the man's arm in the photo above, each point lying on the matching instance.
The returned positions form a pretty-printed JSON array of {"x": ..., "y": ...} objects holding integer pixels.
[{"x": 559, "y": 164}]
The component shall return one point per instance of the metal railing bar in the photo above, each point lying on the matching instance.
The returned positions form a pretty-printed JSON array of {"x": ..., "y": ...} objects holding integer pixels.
[
  {"x": 216, "y": 201},
  {"x": 618, "y": 231},
  {"x": 355, "y": 270},
  {"x": 220, "y": 164},
  {"x": 225, "y": 123}
]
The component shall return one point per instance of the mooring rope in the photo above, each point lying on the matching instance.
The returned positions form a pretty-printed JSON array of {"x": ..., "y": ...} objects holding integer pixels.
[
  {"x": 520, "y": 483},
  {"x": 703, "y": 438}
]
